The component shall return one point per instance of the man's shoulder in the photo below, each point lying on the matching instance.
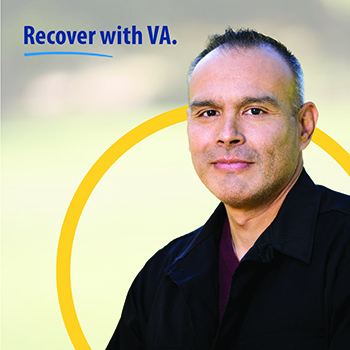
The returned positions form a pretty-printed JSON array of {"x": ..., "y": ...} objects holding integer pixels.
[
  {"x": 333, "y": 223},
  {"x": 173, "y": 251},
  {"x": 182, "y": 246},
  {"x": 154, "y": 271},
  {"x": 333, "y": 201}
]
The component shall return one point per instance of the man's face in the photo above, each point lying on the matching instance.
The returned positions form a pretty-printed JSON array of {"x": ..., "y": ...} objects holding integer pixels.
[{"x": 243, "y": 135}]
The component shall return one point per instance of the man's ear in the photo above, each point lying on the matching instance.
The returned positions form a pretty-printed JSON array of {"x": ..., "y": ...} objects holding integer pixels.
[{"x": 307, "y": 117}]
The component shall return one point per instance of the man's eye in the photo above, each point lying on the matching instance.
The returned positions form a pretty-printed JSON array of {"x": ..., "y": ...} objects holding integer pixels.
[
  {"x": 209, "y": 113},
  {"x": 255, "y": 111}
]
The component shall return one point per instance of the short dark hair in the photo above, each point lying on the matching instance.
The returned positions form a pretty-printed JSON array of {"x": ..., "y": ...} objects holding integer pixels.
[{"x": 246, "y": 38}]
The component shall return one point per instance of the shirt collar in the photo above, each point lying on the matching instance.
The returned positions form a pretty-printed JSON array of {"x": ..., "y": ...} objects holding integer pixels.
[{"x": 292, "y": 231}]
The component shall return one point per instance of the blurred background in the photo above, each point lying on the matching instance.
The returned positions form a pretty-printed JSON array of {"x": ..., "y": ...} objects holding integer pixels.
[{"x": 60, "y": 113}]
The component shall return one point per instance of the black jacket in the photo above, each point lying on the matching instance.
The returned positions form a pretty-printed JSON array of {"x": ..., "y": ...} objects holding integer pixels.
[{"x": 290, "y": 291}]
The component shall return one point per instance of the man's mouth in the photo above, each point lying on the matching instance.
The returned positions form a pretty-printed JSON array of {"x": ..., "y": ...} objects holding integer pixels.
[{"x": 231, "y": 164}]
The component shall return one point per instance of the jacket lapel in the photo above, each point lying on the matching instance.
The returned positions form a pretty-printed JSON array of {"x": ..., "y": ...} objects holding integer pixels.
[{"x": 196, "y": 273}]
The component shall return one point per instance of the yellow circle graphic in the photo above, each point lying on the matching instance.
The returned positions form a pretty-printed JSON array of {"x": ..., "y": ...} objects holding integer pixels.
[{"x": 108, "y": 158}]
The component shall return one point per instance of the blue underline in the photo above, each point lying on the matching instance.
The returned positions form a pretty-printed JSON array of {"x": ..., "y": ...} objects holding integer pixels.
[{"x": 65, "y": 53}]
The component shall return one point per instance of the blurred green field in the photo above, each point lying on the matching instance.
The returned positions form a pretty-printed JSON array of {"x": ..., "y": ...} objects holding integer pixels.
[{"x": 60, "y": 114}]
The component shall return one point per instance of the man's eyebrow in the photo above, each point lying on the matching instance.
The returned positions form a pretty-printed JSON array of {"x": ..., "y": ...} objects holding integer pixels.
[
  {"x": 245, "y": 101},
  {"x": 261, "y": 99},
  {"x": 202, "y": 103}
]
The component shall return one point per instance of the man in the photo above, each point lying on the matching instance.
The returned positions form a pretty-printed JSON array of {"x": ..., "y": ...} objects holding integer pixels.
[{"x": 271, "y": 267}]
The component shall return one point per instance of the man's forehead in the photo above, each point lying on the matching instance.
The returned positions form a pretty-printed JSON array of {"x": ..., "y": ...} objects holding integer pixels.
[
  {"x": 256, "y": 68},
  {"x": 253, "y": 56}
]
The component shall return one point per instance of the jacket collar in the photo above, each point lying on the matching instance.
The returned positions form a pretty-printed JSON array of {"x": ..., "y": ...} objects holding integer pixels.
[{"x": 292, "y": 231}]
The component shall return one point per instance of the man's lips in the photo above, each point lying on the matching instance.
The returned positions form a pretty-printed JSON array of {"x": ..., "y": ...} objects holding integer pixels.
[{"x": 231, "y": 164}]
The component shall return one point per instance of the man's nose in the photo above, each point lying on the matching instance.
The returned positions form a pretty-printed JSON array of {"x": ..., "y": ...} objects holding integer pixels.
[{"x": 230, "y": 132}]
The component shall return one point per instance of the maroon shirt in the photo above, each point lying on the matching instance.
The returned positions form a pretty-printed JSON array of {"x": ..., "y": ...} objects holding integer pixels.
[{"x": 228, "y": 262}]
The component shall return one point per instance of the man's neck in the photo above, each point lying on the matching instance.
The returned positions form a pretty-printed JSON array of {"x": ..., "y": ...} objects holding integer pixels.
[{"x": 247, "y": 225}]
